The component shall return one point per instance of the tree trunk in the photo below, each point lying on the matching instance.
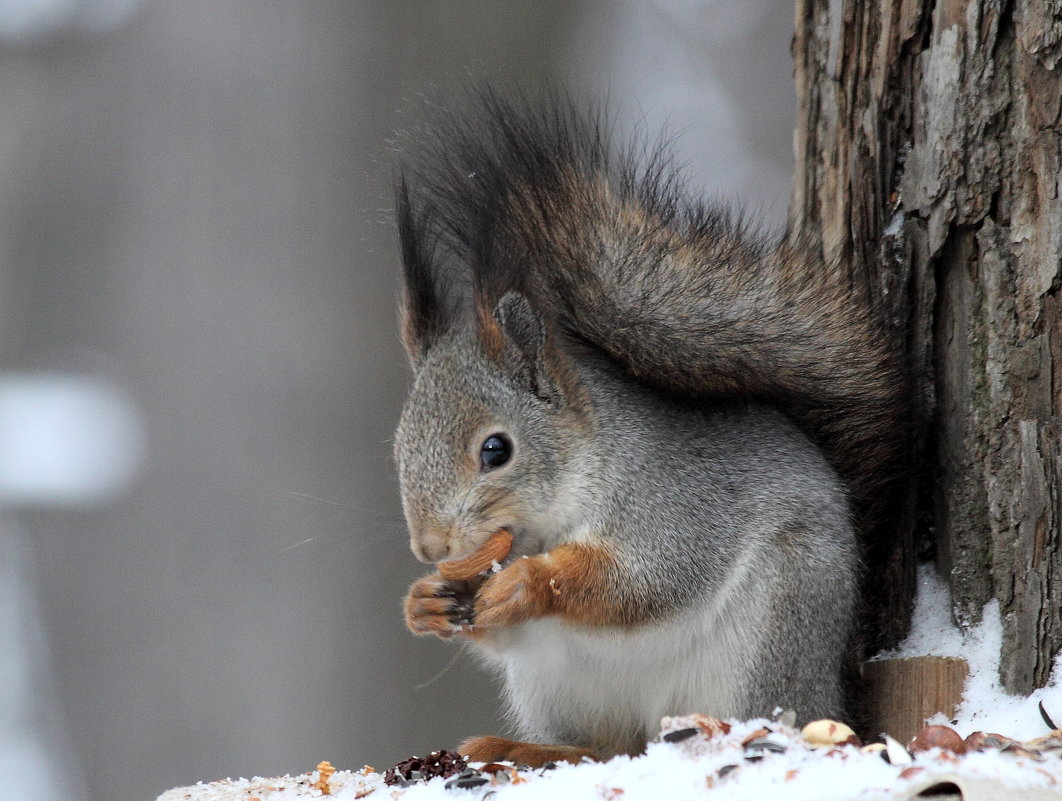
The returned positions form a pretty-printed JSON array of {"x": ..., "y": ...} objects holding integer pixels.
[{"x": 928, "y": 148}]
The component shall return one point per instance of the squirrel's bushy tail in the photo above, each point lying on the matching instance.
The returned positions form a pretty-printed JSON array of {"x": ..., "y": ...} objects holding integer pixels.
[{"x": 607, "y": 243}]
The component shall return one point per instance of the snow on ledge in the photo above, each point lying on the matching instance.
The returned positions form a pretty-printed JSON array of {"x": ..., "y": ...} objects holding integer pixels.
[{"x": 704, "y": 765}]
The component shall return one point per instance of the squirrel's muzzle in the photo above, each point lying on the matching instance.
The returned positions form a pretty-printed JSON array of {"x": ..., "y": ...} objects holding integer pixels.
[{"x": 431, "y": 543}]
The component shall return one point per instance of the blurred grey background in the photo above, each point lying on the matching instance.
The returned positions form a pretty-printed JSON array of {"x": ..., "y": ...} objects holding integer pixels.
[{"x": 202, "y": 555}]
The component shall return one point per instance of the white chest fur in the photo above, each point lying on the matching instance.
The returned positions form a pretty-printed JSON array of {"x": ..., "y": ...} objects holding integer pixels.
[{"x": 609, "y": 687}]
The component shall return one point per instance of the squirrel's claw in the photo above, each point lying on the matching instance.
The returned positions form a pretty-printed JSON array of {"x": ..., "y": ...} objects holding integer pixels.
[{"x": 436, "y": 606}]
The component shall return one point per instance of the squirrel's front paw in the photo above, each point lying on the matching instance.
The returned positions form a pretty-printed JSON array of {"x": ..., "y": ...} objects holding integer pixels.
[
  {"x": 519, "y": 592},
  {"x": 436, "y": 606}
]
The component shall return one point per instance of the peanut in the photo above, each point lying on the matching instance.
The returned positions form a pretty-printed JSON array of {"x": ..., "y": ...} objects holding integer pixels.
[{"x": 495, "y": 549}]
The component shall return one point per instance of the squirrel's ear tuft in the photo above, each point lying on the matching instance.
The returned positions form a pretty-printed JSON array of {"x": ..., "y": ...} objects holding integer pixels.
[
  {"x": 531, "y": 348},
  {"x": 423, "y": 308}
]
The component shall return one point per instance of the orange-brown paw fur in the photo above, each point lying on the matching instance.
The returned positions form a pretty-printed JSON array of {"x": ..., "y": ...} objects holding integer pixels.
[
  {"x": 535, "y": 755},
  {"x": 436, "y": 606},
  {"x": 519, "y": 592}
]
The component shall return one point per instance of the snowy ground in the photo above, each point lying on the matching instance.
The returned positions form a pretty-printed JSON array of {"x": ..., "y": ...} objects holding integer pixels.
[
  {"x": 763, "y": 759},
  {"x": 701, "y": 767}
]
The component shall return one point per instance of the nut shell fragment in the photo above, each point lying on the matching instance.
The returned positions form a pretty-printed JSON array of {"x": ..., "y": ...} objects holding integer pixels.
[
  {"x": 711, "y": 726},
  {"x": 495, "y": 549},
  {"x": 942, "y": 737},
  {"x": 324, "y": 773},
  {"x": 983, "y": 741}
]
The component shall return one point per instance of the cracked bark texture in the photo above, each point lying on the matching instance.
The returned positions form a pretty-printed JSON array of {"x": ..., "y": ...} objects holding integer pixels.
[{"x": 928, "y": 152}]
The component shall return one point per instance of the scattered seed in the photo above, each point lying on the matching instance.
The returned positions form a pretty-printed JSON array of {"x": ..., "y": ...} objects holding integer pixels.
[
  {"x": 679, "y": 735},
  {"x": 466, "y": 782},
  {"x": 1047, "y": 718},
  {"x": 875, "y": 748},
  {"x": 895, "y": 753},
  {"x": 761, "y": 746}
]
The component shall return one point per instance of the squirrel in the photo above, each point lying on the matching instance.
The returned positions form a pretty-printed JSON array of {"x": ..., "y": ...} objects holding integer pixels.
[{"x": 686, "y": 426}]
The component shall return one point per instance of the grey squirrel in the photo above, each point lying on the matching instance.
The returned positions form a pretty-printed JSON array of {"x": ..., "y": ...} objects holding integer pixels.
[{"x": 682, "y": 423}]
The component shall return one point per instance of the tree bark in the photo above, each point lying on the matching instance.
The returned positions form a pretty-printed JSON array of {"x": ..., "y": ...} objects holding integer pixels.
[{"x": 928, "y": 149}]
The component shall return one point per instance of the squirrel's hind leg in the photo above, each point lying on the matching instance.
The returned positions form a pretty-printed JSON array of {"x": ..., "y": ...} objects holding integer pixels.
[{"x": 535, "y": 755}]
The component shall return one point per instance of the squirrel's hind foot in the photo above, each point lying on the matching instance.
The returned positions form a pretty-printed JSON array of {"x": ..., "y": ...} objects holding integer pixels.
[{"x": 535, "y": 755}]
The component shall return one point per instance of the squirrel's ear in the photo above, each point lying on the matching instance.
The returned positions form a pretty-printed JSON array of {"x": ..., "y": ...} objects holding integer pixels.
[
  {"x": 531, "y": 346},
  {"x": 422, "y": 309}
]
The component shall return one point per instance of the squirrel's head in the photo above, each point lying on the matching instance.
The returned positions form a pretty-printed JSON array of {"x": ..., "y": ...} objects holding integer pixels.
[{"x": 494, "y": 431}]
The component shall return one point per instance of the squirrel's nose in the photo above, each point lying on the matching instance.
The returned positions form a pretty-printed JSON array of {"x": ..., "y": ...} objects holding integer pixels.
[{"x": 430, "y": 544}]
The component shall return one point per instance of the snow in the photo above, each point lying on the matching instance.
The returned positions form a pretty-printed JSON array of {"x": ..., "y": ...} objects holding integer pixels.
[
  {"x": 932, "y": 631},
  {"x": 895, "y": 225},
  {"x": 700, "y": 767},
  {"x": 985, "y": 705},
  {"x": 715, "y": 765}
]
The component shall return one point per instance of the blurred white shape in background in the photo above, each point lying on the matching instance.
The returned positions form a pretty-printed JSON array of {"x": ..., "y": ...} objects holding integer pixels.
[
  {"x": 34, "y": 753},
  {"x": 33, "y": 19},
  {"x": 65, "y": 440},
  {"x": 710, "y": 74}
]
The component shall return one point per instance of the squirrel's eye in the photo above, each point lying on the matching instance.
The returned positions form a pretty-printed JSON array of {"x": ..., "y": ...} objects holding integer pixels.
[{"x": 494, "y": 452}]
